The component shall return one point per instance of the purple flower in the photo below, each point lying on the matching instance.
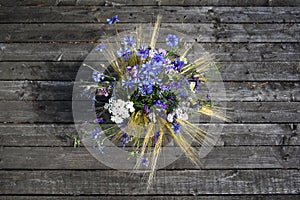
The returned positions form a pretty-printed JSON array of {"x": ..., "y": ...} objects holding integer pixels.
[
  {"x": 197, "y": 83},
  {"x": 99, "y": 47},
  {"x": 97, "y": 76},
  {"x": 125, "y": 139},
  {"x": 177, "y": 64},
  {"x": 158, "y": 58},
  {"x": 143, "y": 51},
  {"x": 129, "y": 41},
  {"x": 155, "y": 137},
  {"x": 112, "y": 20},
  {"x": 124, "y": 53},
  {"x": 146, "y": 109},
  {"x": 159, "y": 103},
  {"x": 164, "y": 87},
  {"x": 172, "y": 40},
  {"x": 144, "y": 161},
  {"x": 127, "y": 83},
  {"x": 208, "y": 96},
  {"x": 132, "y": 70},
  {"x": 176, "y": 127},
  {"x": 103, "y": 92},
  {"x": 148, "y": 69},
  {"x": 146, "y": 89},
  {"x": 95, "y": 133},
  {"x": 99, "y": 120},
  {"x": 100, "y": 148}
]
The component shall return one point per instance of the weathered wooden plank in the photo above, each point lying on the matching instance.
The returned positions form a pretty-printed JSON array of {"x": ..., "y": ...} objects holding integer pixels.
[
  {"x": 239, "y": 157},
  {"x": 147, "y": 14},
  {"x": 61, "y": 111},
  {"x": 120, "y": 3},
  {"x": 225, "y": 52},
  {"x": 197, "y": 182},
  {"x": 231, "y": 71},
  {"x": 64, "y": 71},
  {"x": 201, "y": 32},
  {"x": 232, "y": 134},
  {"x": 235, "y": 91},
  {"x": 167, "y": 197},
  {"x": 150, "y": 2}
]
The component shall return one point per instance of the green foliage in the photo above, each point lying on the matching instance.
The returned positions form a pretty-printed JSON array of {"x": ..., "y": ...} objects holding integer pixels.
[
  {"x": 76, "y": 139},
  {"x": 166, "y": 97}
]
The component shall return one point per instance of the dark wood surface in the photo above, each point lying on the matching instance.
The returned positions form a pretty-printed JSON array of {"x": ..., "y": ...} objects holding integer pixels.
[{"x": 42, "y": 45}]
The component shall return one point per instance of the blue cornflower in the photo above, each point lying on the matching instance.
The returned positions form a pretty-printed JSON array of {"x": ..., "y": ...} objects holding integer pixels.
[
  {"x": 150, "y": 69},
  {"x": 177, "y": 64},
  {"x": 176, "y": 127},
  {"x": 100, "y": 148},
  {"x": 197, "y": 83},
  {"x": 144, "y": 161},
  {"x": 159, "y": 103},
  {"x": 172, "y": 40},
  {"x": 143, "y": 51},
  {"x": 128, "y": 83},
  {"x": 99, "y": 120},
  {"x": 95, "y": 133},
  {"x": 113, "y": 19},
  {"x": 99, "y": 47},
  {"x": 129, "y": 41},
  {"x": 149, "y": 73},
  {"x": 170, "y": 97},
  {"x": 125, "y": 139},
  {"x": 124, "y": 53},
  {"x": 158, "y": 58},
  {"x": 146, "y": 89},
  {"x": 164, "y": 87},
  {"x": 98, "y": 76}
]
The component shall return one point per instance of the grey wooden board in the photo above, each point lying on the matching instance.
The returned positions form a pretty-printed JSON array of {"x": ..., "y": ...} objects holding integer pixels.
[
  {"x": 239, "y": 157},
  {"x": 158, "y": 197},
  {"x": 225, "y": 52},
  {"x": 235, "y": 91},
  {"x": 202, "y": 32},
  {"x": 230, "y": 71},
  {"x": 151, "y": 2},
  {"x": 198, "y": 182},
  {"x": 61, "y": 111},
  {"x": 146, "y": 14},
  {"x": 56, "y": 135}
]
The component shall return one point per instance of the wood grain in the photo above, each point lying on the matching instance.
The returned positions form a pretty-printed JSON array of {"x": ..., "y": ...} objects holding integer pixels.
[
  {"x": 225, "y": 52},
  {"x": 201, "y": 32},
  {"x": 184, "y": 182},
  {"x": 230, "y": 71},
  {"x": 56, "y": 135},
  {"x": 147, "y": 14},
  {"x": 235, "y": 91},
  {"x": 61, "y": 111},
  {"x": 238, "y": 157},
  {"x": 151, "y": 2},
  {"x": 157, "y": 197}
]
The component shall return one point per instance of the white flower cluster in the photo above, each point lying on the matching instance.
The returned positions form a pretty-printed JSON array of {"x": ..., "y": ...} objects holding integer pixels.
[
  {"x": 119, "y": 109},
  {"x": 180, "y": 115}
]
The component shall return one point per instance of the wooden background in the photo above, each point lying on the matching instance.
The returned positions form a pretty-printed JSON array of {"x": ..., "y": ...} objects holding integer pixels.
[{"x": 42, "y": 44}]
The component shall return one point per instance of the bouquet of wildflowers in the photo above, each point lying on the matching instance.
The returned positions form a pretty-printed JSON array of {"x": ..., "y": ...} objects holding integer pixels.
[{"x": 147, "y": 99}]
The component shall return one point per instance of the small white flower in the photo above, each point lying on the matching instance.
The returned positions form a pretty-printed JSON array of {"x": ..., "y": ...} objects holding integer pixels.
[
  {"x": 119, "y": 109},
  {"x": 170, "y": 117},
  {"x": 152, "y": 117}
]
